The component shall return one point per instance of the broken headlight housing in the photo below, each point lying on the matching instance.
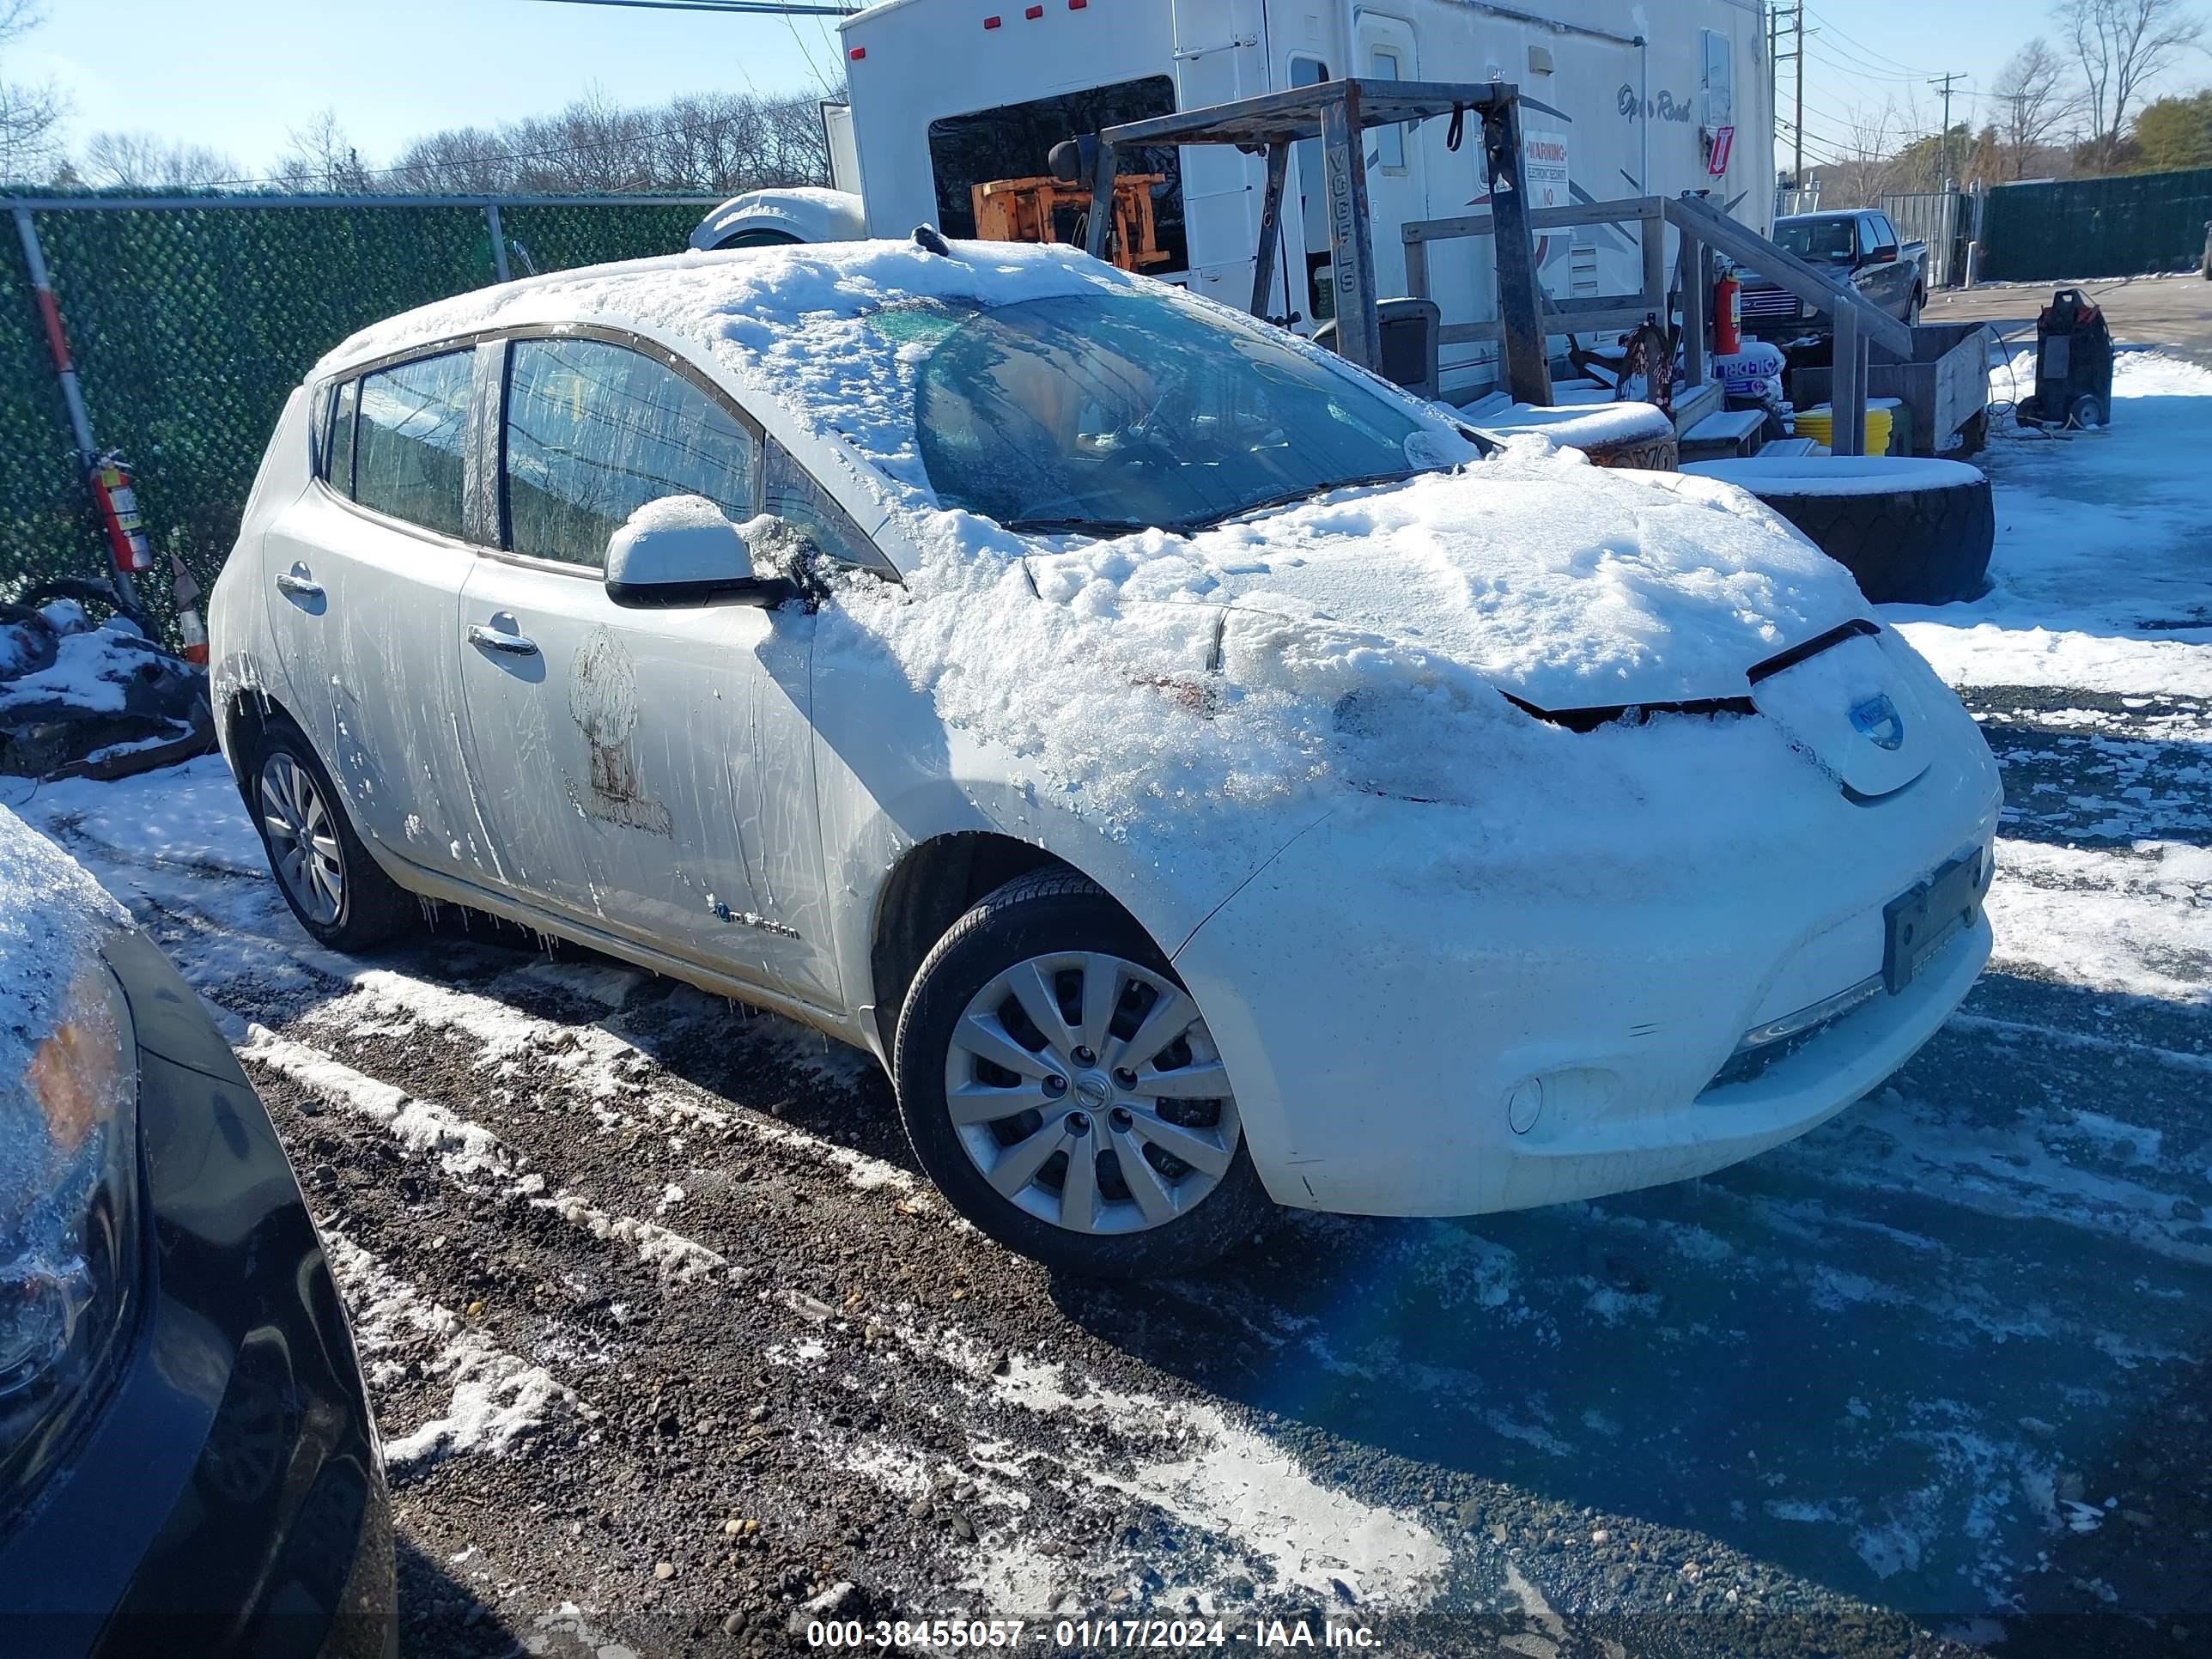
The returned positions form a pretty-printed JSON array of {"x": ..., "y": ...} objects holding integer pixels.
[{"x": 68, "y": 1212}]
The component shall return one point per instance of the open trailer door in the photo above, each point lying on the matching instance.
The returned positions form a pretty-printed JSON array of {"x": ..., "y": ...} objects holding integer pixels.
[{"x": 1219, "y": 56}]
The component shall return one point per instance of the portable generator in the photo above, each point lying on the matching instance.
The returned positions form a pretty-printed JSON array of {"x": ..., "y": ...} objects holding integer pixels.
[{"x": 2073, "y": 364}]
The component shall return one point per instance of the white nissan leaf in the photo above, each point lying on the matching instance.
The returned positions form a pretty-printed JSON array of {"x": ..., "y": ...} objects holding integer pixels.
[{"x": 1203, "y": 775}]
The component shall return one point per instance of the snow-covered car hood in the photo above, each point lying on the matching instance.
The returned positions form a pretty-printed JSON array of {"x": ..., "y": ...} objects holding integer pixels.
[{"x": 1566, "y": 585}]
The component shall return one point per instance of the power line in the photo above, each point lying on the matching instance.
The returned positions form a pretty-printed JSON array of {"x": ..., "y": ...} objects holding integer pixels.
[{"x": 1860, "y": 49}]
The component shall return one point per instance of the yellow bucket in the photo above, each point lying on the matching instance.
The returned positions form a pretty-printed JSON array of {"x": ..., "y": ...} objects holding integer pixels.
[{"x": 1818, "y": 423}]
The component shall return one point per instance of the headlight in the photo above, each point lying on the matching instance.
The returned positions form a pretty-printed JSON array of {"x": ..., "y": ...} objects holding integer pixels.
[{"x": 69, "y": 1188}]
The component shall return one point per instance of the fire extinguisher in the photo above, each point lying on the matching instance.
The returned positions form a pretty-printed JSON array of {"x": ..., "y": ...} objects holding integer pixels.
[
  {"x": 118, "y": 514},
  {"x": 1728, "y": 315}
]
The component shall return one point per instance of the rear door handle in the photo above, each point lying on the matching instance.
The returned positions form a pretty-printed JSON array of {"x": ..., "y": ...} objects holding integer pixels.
[
  {"x": 298, "y": 586},
  {"x": 515, "y": 645}
]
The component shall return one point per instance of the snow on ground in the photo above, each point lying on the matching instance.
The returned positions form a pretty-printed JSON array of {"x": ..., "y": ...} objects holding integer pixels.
[{"x": 2099, "y": 581}]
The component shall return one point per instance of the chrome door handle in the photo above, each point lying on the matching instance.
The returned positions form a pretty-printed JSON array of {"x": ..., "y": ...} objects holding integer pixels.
[
  {"x": 299, "y": 586},
  {"x": 491, "y": 639}
]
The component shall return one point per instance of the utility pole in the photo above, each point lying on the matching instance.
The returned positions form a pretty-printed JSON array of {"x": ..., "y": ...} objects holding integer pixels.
[
  {"x": 1943, "y": 148},
  {"x": 1776, "y": 20}
]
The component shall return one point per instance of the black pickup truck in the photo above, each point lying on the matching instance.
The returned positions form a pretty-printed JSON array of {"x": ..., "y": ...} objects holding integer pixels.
[{"x": 1859, "y": 242}]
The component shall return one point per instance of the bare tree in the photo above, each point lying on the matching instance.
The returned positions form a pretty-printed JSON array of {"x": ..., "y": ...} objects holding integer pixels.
[
  {"x": 714, "y": 143},
  {"x": 2034, "y": 106},
  {"x": 30, "y": 115},
  {"x": 1866, "y": 158},
  {"x": 2119, "y": 45},
  {"x": 139, "y": 161},
  {"x": 320, "y": 158}
]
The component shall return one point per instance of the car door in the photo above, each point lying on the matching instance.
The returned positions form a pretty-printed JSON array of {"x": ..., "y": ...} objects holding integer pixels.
[
  {"x": 648, "y": 772},
  {"x": 366, "y": 571}
]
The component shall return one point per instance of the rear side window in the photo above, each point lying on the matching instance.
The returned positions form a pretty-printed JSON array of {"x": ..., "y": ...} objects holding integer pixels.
[
  {"x": 338, "y": 452},
  {"x": 596, "y": 430},
  {"x": 409, "y": 438}
]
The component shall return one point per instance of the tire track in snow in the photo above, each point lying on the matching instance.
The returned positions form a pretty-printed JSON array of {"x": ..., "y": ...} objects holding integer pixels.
[
  {"x": 495, "y": 1403},
  {"x": 470, "y": 1152},
  {"x": 1187, "y": 1459}
]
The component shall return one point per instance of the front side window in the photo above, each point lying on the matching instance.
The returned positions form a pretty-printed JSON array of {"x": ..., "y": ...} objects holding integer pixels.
[
  {"x": 1131, "y": 408},
  {"x": 595, "y": 430},
  {"x": 792, "y": 493},
  {"x": 409, "y": 439}
]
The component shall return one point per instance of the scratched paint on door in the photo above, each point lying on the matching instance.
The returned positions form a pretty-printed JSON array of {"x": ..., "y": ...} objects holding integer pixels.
[{"x": 603, "y": 702}]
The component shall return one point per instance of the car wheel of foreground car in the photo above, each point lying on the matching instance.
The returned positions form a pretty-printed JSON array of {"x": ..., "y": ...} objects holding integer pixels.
[
  {"x": 334, "y": 887},
  {"x": 1059, "y": 1086}
]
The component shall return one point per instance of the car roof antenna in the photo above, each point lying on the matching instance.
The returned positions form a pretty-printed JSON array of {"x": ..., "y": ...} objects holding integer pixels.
[{"x": 926, "y": 238}]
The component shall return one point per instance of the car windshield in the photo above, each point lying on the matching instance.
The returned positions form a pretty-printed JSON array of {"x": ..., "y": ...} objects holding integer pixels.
[
  {"x": 1816, "y": 240},
  {"x": 1123, "y": 409}
]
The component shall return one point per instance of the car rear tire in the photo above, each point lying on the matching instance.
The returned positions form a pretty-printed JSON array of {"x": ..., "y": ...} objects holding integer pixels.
[
  {"x": 338, "y": 892},
  {"x": 1046, "y": 1062}
]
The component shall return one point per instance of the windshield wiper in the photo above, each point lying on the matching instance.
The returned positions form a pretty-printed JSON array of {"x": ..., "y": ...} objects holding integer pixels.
[
  {"x": 1302, "y": 493},
  {"x": 1076, "y": 526}
]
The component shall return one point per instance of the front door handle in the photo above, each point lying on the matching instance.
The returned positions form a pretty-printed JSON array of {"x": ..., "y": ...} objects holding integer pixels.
[
  {"x": 299, "y": 586},
  {"x": 515, "y": 645}
]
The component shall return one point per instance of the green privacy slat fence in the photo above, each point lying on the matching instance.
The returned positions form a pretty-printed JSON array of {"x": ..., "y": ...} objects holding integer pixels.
[
  {"x": 2096, "y": 226},
  {"x": 190, "y": 321}
]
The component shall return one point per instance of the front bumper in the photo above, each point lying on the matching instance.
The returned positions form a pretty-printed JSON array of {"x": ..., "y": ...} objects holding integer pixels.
[
  {"x": 1510, "y": 1039},
  {"x": 228, "y": 1497}
]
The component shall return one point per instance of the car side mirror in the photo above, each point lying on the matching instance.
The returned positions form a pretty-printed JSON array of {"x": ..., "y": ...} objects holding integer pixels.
[
  {"x": 681, "y": 549},
  {"x": 1884, "y": 255}
]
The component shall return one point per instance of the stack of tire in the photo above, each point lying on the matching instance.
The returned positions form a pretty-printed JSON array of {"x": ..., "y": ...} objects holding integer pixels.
[{"x": 1913, "y": 532}]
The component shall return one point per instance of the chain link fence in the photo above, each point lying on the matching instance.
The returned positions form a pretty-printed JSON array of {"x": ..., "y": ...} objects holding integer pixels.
[{"x": 192, "y": 320}]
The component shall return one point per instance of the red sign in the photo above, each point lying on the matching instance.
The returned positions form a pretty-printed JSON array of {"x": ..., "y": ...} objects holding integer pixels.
[{"x": 1723, "y": 141}]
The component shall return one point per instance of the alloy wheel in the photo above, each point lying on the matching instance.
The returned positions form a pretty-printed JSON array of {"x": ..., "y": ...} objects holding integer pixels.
[
  {"x": 303, "y": 838},
  {"x": 1087, "y": 1090}
]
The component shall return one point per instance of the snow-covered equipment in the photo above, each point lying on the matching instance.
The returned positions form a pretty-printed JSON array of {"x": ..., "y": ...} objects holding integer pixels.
[
  {"x": 99, "y": 700},
  {"x": 1912, "y": 532},
  {"x": 776, "y": 218},
  {"x": 2073, "y": 364}
]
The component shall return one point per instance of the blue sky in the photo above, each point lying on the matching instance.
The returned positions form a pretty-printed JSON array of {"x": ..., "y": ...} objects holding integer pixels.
[{"x": 239, "y": 74}]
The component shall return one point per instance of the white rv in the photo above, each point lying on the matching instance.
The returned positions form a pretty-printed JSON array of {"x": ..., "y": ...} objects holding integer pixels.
[{"x": 1657, "y": 98}]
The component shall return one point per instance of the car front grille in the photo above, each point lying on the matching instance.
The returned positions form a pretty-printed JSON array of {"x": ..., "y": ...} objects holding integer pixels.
[{"x": 1768, "y": 304}]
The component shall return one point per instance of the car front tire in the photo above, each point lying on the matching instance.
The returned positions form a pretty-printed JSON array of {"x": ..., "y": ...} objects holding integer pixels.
[
  {"x": 1059, "y": 1084},
  {"x": 338, "y": 892}
]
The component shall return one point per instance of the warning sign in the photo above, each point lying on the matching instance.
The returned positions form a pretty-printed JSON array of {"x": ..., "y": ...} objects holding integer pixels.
[
  {"x": 1544, "y": 168},
  {"x": 1724, "y": 141}
]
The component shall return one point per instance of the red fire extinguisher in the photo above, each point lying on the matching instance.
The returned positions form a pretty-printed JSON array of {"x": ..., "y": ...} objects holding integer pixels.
[
  {"x": 1728, "y": 316},
  {"x": 118, "y": 514}
]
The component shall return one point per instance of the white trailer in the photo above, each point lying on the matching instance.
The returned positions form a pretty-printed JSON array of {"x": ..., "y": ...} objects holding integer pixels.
[{"x": 1656, "y": 99}]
